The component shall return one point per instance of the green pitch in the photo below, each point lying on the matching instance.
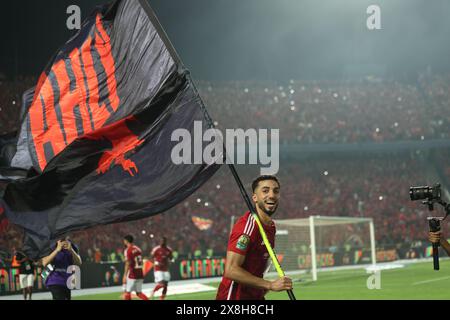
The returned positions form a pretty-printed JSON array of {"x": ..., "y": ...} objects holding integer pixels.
[{"x": 414, "y": 281}]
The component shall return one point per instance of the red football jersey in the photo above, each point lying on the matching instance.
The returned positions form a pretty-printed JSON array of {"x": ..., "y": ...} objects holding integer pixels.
[
  {"x": 134, "y": 257},
  {"x": 246, "y": 240},
  {"x": 162, "y": 255}
]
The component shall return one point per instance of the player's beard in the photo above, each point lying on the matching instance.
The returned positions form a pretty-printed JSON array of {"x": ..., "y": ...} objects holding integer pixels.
[{"x": 267, "y": 211}]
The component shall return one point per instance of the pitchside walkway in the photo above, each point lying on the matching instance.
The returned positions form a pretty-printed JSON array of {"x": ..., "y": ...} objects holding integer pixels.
[
  {"x": 83, "y": 292},
  {"x": 197, "y": 285}
]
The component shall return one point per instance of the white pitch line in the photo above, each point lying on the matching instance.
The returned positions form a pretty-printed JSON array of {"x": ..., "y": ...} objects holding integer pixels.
[{"x": 432, "y": 280}]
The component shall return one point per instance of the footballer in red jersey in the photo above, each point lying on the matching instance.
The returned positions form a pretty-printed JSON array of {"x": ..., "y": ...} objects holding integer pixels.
[
  {"x": 247, "y": 256},
  {"x": 162, "y": 255},
  {"x": 133, "y": 277}
]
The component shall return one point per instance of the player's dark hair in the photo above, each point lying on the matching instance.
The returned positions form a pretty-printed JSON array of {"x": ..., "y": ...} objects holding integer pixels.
[
  {"x": 129, "y": 238},
  {"x": 263, "y": 178}
]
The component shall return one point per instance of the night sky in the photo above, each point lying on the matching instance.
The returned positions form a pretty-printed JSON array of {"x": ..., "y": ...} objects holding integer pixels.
[{"x": 257, "y": 39}]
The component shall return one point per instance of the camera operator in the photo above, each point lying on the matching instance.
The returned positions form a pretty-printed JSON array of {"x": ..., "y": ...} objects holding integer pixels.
[
  {"x": 433, "y": 195},
  {"x": 436, "y": 237}
]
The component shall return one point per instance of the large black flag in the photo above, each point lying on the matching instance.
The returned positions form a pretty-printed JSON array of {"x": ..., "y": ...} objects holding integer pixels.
[{"x": 96, "y": 136}]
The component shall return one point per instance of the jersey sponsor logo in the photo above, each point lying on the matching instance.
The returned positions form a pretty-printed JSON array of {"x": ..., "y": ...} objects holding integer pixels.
[{"x": 243, "y": 242}]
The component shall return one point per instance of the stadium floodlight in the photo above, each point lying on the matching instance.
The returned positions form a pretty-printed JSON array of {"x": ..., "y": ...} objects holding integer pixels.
[{"x": 318, "y": 242}]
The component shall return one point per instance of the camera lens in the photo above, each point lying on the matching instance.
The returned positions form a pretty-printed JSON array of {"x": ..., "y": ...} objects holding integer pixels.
[{"x": 420, "y": 193}]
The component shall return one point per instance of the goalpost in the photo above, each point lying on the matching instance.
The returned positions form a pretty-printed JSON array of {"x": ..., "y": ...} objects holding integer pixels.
[{"x": 320, "y": 242}]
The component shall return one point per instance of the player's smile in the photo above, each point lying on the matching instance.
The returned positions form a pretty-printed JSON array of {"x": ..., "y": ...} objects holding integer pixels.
[{"x": 271, "y": 204}]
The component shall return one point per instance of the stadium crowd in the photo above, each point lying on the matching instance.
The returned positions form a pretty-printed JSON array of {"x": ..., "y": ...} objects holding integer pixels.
[
  {"x": 333, "y": 112},
  {"x": 364, "y": 187},
  {"x": 306, "y": 112},
  {"x": 369, "y": 110}
]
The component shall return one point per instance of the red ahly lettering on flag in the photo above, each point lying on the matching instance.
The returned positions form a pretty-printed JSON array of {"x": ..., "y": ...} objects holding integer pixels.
[{"x": 66, "y": 103}]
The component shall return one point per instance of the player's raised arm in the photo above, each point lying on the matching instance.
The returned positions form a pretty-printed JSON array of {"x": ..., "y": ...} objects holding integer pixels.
[
  {"x": 75, "y": 256},
  {"x": 48, "y": 259}
]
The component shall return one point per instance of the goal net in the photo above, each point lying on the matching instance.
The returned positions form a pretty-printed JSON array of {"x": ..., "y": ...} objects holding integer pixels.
[{"x": 320, "y": 242}]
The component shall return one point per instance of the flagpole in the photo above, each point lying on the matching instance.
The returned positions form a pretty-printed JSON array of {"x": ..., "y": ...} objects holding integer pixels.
[{"x": 244, "y": 194}]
